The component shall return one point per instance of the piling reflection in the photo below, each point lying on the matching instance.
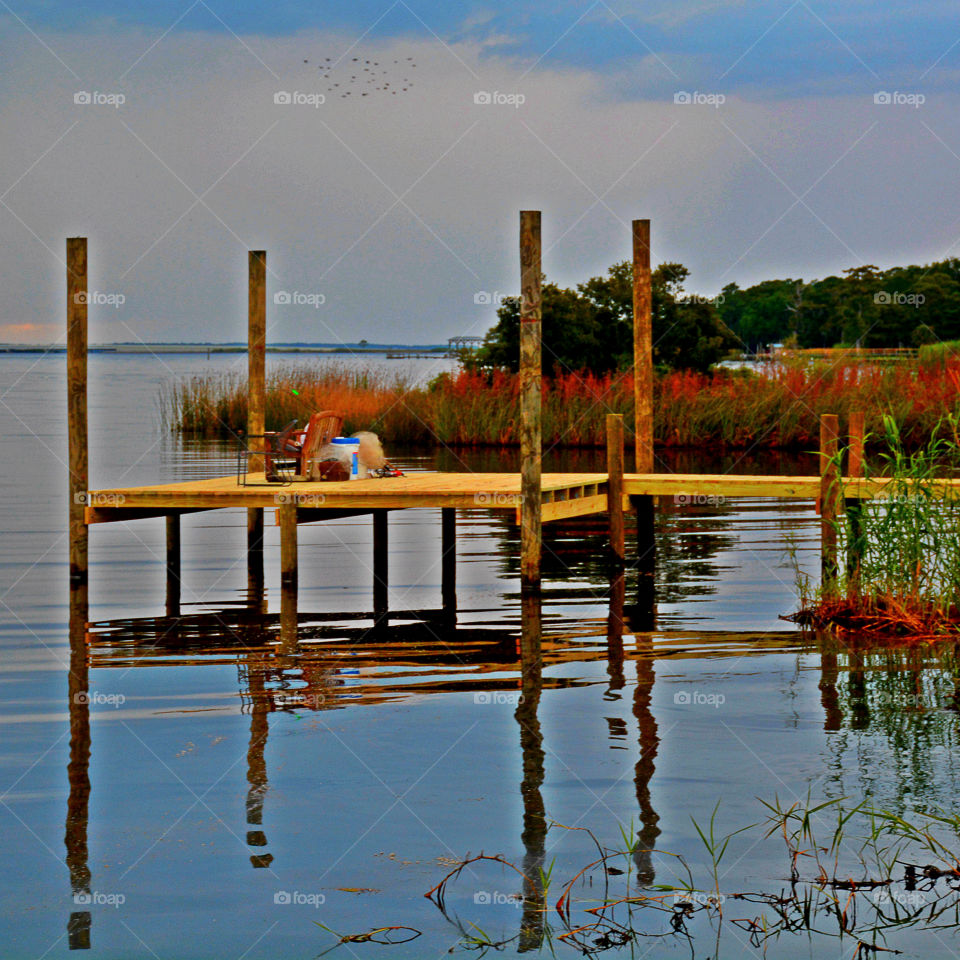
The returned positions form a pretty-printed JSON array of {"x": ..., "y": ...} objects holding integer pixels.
[
  {"x": 257, "y": 764},
  {"x": 649, "y": 742},
  {"x": 533, "y": 836},
  {"x": 78, "y": 771}
]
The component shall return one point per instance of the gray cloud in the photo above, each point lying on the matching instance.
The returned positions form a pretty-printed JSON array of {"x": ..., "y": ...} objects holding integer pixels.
[{"x": 398, "y": 209}]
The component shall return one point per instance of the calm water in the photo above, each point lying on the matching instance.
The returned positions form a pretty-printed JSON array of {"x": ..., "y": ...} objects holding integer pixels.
[{"x": 228, "y": 798}]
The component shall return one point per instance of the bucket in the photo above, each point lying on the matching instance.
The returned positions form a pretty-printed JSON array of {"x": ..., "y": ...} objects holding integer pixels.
[{"x": 348, "y": 452}]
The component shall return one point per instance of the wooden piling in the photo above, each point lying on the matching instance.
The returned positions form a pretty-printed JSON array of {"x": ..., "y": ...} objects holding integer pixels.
[
  {"x": 256, "y": 352},
  {"x": 256, "y": 404},
  {"x": 381, "y": 555},
  {"x": 642, "y": 347},
  {"x": 853, "y": 505},
  {"x": 830, "y": 495},
  {"x": 530, "y": 390},
  {"x": 288, "y": 573},
  {"x": 77, "y": 407},
  {"x": 615, "y": 455},
  {"x": 448, "y": 561},
  {"x": 643, "y": 506},
  {"x": 173, "y": 565}
]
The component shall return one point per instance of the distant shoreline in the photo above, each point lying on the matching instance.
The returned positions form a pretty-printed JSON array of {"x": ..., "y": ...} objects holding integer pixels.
[{"x": 398, "y": 349}]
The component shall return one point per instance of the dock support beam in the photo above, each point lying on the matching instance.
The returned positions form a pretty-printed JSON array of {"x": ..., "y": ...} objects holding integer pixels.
[
  {"x": 381, "y": 555},
  {"x": 77, "y": 415},
  {"x": 615, "y": 485},
  {"x": 448, "y": 562},
  {"x": 643, "y": 421},
  {"x": 288, "y": 576},
  {"x": 530, "y": 390},
  {"x": 854, "y": 506},
  {"x": 256, "y": 403},
  {"x": 830, "y": 493},
  {"x": 173, "y": 565}
]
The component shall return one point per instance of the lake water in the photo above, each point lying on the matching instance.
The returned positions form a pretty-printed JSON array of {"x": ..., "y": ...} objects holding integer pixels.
[{"x": 230, "y": 800}]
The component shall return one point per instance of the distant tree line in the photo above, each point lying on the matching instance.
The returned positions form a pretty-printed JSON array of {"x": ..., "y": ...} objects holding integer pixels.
[
  {"x": 867, "y": 307},
  {"x": 591, "y": 327}
]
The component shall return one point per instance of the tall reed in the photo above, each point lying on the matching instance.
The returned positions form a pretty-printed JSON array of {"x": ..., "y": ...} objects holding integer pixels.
[
  {"x": 902, "y": 574},
  {"x": 777, "y": 408}
]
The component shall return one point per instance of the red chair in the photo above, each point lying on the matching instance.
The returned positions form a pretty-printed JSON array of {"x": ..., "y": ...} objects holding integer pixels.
[
  {"x": 300, "y": 448},
  {"x": 287, "y": 453}
]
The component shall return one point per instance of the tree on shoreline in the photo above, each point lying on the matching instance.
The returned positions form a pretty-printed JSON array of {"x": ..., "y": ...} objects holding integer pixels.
[{"x": 591, "y": 328}]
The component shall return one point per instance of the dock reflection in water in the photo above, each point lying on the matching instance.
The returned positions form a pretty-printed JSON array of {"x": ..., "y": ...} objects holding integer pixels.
[{"x": 342, "y": 660}]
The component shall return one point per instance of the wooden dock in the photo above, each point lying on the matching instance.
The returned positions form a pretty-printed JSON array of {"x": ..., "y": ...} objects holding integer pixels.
[
  {"x": 532, "y": 497},
  {"x": 563, "y": 495}
]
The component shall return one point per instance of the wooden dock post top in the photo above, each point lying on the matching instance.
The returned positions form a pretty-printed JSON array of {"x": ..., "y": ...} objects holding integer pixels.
[
  {"x": 530, "y": 397},
  {"x": 77, "y": 458},
  {"x": 256, "y": 353},
  {"x": 642, "y": 347}
]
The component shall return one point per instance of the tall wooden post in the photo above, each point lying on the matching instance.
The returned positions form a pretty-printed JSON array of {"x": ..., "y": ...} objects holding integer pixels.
[
  {"x": 642, "y": 347},
  {"x": 77, "y": 407},
  {"x": 448, "y": 562},
  {"x": 256, "y": 402},
  {"x": 830, "y": 494},
  {"x": 288, "y": 574},
  {"x": 78, "y": 768},
  {"x": 530, "y": 388},
  {"x": 173, "y": 565},
  {"x": 854, "y": 505},
  {"x": 643, "y": 422},
  {"x": 381, "y": 555},
  {"x": 615, "y": 485}
]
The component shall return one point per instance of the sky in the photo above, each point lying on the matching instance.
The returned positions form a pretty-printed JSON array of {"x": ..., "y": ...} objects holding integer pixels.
[{"x": 380, "y": 152}]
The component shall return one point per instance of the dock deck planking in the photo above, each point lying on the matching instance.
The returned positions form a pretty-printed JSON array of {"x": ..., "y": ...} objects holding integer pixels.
[{"x": 564, "y": 494}]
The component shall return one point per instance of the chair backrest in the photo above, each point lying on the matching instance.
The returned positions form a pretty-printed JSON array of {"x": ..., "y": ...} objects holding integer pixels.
[{"x": 321, "y": 429}]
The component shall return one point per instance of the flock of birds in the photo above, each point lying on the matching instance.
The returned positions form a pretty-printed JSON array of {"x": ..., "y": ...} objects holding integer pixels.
[{"x": 366, "y": 73}]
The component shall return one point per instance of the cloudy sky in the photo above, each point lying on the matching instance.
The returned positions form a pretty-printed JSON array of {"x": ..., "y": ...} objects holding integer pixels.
[{"x": 762, "y": 140}]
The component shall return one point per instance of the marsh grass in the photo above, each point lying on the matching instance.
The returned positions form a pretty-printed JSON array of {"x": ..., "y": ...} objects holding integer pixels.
[
  {"x": 858, "y": 875},
  {"x": 902, "y": 571},
  {"x": 778, "y": 408}
]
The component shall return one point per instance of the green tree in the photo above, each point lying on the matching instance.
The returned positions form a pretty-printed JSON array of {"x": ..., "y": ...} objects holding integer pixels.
[{"x": 591, "y": 328}]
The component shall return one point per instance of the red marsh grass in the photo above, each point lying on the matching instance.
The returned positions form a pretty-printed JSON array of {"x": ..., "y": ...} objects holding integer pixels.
[{"x": 778, "y": 408}]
